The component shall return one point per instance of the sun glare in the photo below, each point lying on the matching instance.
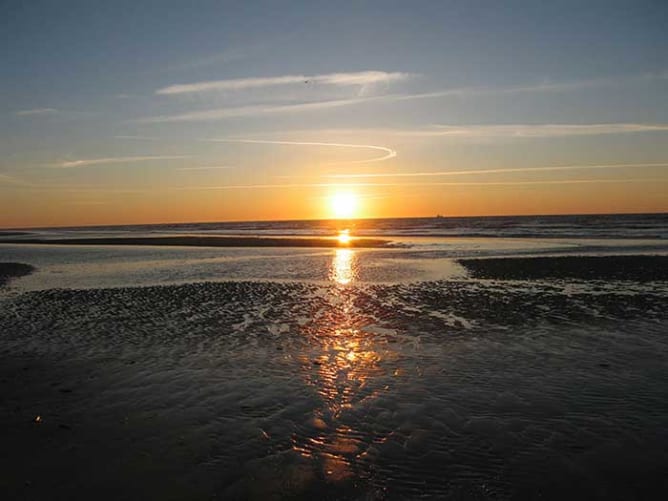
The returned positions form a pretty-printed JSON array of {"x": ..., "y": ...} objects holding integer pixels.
[
  {"x": 344, "y": 205},
  {"x": 344, "y": 237}
]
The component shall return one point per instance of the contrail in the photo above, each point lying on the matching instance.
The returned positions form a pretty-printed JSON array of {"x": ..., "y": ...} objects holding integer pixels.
[
  {"x": 207, "y": 167},
  {"x": 377, "y": 185},
  {"x": 115, "y": 160},
  {"x": 389, "y": 153},
  {"x": 495, "y": 171}
]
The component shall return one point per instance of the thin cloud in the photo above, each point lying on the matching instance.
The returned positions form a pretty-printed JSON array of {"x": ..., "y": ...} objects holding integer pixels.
[
  {"x": 361, "y": 78},
  {"x": 380, "y": 185},
  {"x": 114, "y": 160},
  {"x": 542, "y": 130},
  {"x": 209, "y": 167},
  {"x": 140, "y": 138},
  {"x": 86, "y": 189},
  {"x": 7, "y": 179},
  {"x": 509, "y": 130},
  {"x": 541, "y": 87},
  {"x": 389, "y": 153},
  {"x": 493, "y": 171},
  {"x": 36, "y": 111},
  {"x": 246, "y": 111}
]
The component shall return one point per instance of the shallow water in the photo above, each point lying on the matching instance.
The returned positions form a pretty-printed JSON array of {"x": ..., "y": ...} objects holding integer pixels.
[
  {"x": 340, "y": 374},
  {"x": 427, "y": 259},
  {"x": 341, "y": 385}
]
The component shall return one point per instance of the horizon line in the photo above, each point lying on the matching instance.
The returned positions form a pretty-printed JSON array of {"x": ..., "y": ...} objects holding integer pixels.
[{"x": 437, "y": 216}]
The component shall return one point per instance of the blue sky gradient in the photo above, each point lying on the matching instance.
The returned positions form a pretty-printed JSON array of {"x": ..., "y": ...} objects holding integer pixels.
[{"x": 118, "y": 112}]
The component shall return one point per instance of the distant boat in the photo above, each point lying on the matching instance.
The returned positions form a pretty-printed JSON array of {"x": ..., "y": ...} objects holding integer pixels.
[{"x": 438, "y": 216}]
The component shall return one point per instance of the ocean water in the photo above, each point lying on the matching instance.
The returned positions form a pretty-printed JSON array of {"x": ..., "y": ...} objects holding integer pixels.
[
  {"x": 617, "y": 226},
  {"x": 292, "y": 373},
  {"x": 424, "y": 249}
]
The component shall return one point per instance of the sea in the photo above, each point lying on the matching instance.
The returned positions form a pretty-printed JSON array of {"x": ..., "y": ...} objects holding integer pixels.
[
  {"x": 417, "y": 249},
  {"x": 465, "y": 358}
]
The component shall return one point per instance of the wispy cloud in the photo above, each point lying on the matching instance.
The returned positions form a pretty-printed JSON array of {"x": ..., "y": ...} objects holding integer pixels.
[
  {"x": 504, "y": 130},
  {"x": 114, "y": 160},
  {"x": 402, "y": 184},
  {"x": 495, "y": 171},
  {"x": 207, "y": 167},
  {"x": 538, "y": 130},
  {"x": 546, "y": 86},
  {"x": 36, "y": 111},
  {"x": 140, "y": 138},
  {"x": 7, "y": 179},
  {"x": 361, "y": 78},
  {"x": 247, "y": 111},
  {"x": 388, "y": 152}
]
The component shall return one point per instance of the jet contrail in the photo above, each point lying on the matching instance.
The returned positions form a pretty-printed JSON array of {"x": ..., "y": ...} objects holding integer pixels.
[
  {"x": 494, "y": 171},
  {"x": 389, "y": 153},
  {"x": 377, "y": 185},
  {"x": 115, "y": 160}
]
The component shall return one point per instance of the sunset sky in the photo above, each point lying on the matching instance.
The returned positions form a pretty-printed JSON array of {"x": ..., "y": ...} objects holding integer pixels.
[{"x": 145, "y": 112}]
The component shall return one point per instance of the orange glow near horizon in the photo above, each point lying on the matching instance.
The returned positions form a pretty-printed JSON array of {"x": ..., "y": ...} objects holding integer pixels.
[{"x": 53, "y": 209}]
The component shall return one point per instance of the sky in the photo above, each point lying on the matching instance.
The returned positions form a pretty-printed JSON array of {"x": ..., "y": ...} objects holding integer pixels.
[{"x": 186, "y": 111}]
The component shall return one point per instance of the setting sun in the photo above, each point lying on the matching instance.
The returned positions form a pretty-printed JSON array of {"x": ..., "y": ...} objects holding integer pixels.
[{"x": 344, "y": 205}]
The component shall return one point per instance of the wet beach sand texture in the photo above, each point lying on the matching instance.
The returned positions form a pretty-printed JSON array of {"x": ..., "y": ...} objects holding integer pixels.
[{"x": 479, "y": 389}]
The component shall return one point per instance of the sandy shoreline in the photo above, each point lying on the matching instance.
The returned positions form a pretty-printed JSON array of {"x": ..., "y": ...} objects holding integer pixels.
[
  {"x": 452, "y": 389},
  {"x": 9, "y": 271},
  {"x": 639, "y": 268},
  {"x": 293, "y": 391}
]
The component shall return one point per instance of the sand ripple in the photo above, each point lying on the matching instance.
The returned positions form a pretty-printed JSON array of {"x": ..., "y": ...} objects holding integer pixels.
[{"x": 455, "y": 390}]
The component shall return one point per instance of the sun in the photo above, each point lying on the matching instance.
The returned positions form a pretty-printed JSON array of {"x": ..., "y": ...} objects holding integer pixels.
[{"x": 344, "y": 205}]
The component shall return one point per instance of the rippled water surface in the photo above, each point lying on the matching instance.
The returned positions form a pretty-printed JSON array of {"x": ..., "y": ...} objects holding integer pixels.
[{"x": 350, "y": 380}]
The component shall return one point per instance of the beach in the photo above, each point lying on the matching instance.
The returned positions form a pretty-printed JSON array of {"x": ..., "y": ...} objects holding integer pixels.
[
  {"x": 334, "y": 251},
  {"x": 502, "y": 379}
]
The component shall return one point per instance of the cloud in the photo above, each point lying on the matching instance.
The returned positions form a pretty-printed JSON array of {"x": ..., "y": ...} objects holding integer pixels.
[
  {"x": 209, "y": 167},
  {"x": 140, "y": 138},
  {"x": 540, "y": 130},
  {"x": 361, "y": 78},
  {"x": 114, "y": 160},
  {"x": 509, "y": 130},
  {"x": 541, "y": 87},
  {"x": 246, "y": 111},
  {"x": 380, "y": 185},
  {"x": 389, "y": 153},
  {"x": 6, "y": 179},
  {"x": 36, "y": 111},
  {"x": 494, "y": 171}
]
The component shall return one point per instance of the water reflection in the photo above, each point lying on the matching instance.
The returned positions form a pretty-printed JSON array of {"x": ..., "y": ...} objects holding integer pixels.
[
  {"x": 344, "y": 266},
  {"x": 346, "y": 371},
  {"x": 344, "y": 237}
]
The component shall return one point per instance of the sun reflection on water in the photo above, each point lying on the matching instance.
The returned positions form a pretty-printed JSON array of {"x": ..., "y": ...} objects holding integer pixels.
[
  {"x": 344, "y": 237},
  {"x": 346, "y": 370},
  {"x": 344, "y": 267}
]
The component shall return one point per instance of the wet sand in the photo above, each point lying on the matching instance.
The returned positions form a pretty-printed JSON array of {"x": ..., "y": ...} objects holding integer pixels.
[
  {"x": 213, "y": 241},
  {"x": 247, "y": 390},
  {"x": 13, "y": 270},
  {"x": 636, "y": 268}
]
